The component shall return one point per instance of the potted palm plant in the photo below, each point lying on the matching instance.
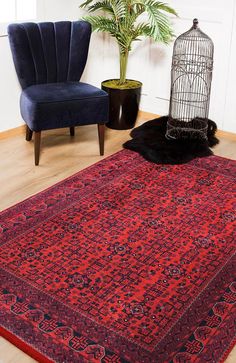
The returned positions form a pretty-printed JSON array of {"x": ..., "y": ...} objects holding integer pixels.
[{"x": 128, "y": 21}]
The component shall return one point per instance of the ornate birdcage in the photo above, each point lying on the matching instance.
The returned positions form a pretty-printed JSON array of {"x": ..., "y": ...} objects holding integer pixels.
[{"x": 191, "y": 76}]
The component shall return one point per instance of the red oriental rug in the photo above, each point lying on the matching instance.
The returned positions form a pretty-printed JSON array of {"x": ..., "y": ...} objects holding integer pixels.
[{"x": 126, "y": 261}]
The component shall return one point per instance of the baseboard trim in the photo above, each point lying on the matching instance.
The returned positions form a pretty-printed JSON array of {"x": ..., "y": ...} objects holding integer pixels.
[
  {"x": 220, "y": 133},
  {"x": 226, "y": 134},
  {"x": 147, "y": 114},
  {"x": 20, "y": 130}
]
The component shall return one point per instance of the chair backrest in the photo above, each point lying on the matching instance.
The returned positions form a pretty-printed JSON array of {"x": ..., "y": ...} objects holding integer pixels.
[{"x": 49, "y": 52}]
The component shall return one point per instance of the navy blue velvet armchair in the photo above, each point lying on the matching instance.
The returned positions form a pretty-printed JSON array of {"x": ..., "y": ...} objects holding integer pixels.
[{"x": 49, "y": 59}]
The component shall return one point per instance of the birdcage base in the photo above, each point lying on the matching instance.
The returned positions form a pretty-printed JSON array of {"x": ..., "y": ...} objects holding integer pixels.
[
  {"x": 188, "y": 134},
  {"x": 195, "y": 129},
  {"x": 150, "y": 141}
]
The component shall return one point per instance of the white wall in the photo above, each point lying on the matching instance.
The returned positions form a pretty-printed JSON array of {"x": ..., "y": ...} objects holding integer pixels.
[
  {"x": 219, "y": 22},
  {"x": 50, "y": 10},
  {"x": 148, "y": 62},
  {"x": 9, "y": 87}
]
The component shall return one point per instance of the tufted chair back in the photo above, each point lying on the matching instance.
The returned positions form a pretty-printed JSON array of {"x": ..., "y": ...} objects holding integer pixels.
[{"x": 49, "y": 52}]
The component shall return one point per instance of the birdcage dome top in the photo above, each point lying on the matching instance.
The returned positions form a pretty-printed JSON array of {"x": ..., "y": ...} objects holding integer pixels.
[{"x": 194, "y": 41}]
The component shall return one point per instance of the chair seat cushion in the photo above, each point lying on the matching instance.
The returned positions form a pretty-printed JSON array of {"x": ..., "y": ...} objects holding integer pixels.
[{"x": 65, "y": 104}]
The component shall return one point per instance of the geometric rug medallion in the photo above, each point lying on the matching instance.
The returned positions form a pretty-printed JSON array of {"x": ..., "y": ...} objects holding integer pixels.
[{"x": 124, "y": 262}]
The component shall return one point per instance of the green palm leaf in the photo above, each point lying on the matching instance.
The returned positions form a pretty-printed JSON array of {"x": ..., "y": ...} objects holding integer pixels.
[
  {"x": 102, "y": 24},
  {"x": 121, "y": 21},
  {"x": 101, "y": 5}
]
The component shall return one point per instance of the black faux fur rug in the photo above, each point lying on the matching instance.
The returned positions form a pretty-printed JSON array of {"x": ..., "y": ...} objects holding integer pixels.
[{"x": 149, "y": 140}]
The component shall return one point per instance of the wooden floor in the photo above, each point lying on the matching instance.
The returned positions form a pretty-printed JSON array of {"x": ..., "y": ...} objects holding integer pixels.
[{"x": 61, "y": 156}]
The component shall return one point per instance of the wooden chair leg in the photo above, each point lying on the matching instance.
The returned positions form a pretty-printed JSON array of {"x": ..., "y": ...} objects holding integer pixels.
[
  {"x": 72, "y": 131},
  {"x": 101, "y": 134},
  {"x": 29, "y": 133},
  {"x": 37, "y": 139}
]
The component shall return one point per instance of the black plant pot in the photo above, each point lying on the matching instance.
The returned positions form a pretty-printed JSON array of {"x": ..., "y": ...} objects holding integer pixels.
[{"x": 123, "y": 105}]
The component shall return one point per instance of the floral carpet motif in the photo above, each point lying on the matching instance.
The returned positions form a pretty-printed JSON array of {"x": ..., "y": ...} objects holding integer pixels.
[{"x": 124, "y": 262}]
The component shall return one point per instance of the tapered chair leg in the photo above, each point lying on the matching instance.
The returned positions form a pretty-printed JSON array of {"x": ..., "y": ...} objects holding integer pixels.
[
  {"x": 37, "y": 139},
  {"x": 72, "y": 131},
  {"x": 101, "y": 134},
  {"x": 29, "y": 133}
]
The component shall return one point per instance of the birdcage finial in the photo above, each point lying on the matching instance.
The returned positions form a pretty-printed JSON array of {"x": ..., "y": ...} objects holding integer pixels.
[{"x": 195, "y": 23}]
